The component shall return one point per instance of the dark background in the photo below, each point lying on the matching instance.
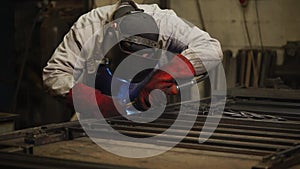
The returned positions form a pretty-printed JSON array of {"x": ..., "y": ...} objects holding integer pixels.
[{"x": 31, "y": 30}]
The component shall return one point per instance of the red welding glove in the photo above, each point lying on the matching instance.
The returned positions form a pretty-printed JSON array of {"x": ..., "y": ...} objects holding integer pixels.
[
  {"x": 85, "y": 103},
  {"x": 179, "y": 67}
]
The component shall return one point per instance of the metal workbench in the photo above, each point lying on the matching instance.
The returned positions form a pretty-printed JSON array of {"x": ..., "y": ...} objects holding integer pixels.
[{"x": 257, "y": 133}]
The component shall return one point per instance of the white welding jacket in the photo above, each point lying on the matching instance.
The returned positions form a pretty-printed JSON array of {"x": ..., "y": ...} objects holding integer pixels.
[{"x": 79, "y": 55}]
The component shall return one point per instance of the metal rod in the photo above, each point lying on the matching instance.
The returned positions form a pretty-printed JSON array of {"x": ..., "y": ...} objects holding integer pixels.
[{"x": 231, "y": 129}]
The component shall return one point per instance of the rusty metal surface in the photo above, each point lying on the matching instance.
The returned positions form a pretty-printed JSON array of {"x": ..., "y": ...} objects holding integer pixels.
[
  {"x": 83, "y": 149},
  {"x": 245, "y": 137},
  {"x": 23, "y": 161}
]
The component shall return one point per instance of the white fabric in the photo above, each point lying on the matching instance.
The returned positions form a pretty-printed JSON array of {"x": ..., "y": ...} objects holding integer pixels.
[{"x": 70, "y": 61}]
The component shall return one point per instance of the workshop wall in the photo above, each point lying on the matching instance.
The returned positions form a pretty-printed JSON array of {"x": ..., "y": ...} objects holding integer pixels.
[
  {"x": 270, "y": 25},
  {"x": 278, "y": 19}
]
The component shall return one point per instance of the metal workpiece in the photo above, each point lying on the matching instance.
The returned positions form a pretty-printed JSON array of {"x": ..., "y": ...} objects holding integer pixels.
[
  {"x": 283, "y": 159},
  {"x": 272, "y": 135},
  {"x": 194, "y": 81}
]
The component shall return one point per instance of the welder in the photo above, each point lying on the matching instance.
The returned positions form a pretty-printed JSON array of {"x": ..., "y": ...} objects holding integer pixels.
[{"x": 129, "y": 29}]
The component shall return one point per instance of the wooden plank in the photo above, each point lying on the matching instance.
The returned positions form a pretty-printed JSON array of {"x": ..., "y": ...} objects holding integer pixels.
[
  {"x": 248, "y": 69},
  {"x": 265, "y": 67},
  {"x": 242, "y": 65},
  {"x": 254, "y": 69},
  {"x": 233, "y": 72},
  {"x": 258, "y": 62}
]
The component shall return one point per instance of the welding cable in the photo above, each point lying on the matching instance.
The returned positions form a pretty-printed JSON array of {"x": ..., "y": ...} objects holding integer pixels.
[
  {"x": 258, "y": 26},
  {"x": 254, "y": 64},
  {"x": 201, "y": 15},
  {"x": 246, "y": 27},
  {"x": 196, "y": 80}
]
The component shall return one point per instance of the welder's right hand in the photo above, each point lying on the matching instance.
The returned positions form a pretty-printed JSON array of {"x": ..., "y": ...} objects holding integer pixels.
[
  {"x": 160, "y": 80},
  {"x": 179, "y": 66}
]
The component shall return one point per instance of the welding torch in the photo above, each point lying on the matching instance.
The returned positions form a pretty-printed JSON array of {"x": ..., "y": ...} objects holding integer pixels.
[{"x": 194, "y": 81}]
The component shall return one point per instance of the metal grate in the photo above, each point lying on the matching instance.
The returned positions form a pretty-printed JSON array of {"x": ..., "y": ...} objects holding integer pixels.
[
  {"x": 254, "y": 127},
  {"x": 257, "y": 133}
]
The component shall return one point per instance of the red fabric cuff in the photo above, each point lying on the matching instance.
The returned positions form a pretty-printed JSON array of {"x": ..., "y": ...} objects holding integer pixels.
[
  {"x": 187, "y": 62},
  {"x": 85, "y": 103}
]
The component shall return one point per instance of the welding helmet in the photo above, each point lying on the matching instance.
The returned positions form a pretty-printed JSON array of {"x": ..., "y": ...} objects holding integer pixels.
[{"x": 135, "y": 33}]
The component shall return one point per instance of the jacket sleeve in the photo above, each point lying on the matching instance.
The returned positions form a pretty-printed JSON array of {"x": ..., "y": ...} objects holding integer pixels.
[
  {"x": 58, "y": 74},
  {"x": 68, "y": 62},
  {"x": 203, "y": 51}
]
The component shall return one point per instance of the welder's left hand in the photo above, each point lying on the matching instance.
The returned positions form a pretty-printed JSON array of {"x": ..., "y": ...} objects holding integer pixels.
[
  {"x": 179, "y": 67},
  {"x": 89, "y": 101}
]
